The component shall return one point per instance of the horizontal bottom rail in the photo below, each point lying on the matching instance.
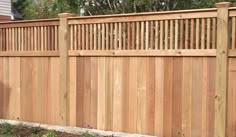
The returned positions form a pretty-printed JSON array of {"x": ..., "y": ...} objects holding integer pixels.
[
  {"x": 118, "y": 53},
  {"x": 30, "y": 54},
  {"x": 142, "y": 53}
]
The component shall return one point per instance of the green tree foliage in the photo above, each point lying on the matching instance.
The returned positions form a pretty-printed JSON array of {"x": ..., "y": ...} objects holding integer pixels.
[
  {"x": 35, "y": 9},
  {"x": 198, "y": 4},
  {"x": 96, "y": 7}
]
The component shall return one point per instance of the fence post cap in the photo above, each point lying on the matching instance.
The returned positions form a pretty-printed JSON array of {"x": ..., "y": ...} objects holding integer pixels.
[
  {"x": 64, "y": 15},
  {"x": 224, "y": 4}
]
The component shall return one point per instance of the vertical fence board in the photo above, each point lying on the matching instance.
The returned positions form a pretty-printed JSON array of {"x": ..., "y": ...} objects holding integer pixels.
[
  {"x": 233, "y": 32},
  {"x": 203, "y": 28},
  {"x": 80, "y": 92},
  {"x": 94, "y": 93},
  {"x": 181, "y": 34},
  {"x": 151, "y": 36},
  {"x": 147, "y": 39},
  {"x": 192, "y": 34},
  {"x": 166, "y": 34},
  {"x": 161, "y": 34},
  {"x": 118, "y": 95},
  {"x": 168, "y": 96},
  {"x": 231, "y": 112},
  {"x": 208, "y": 33},
  {"x": 177, "y": 97},
  {"x": 137, "y": 35},
  {"x": 187, "y": 96},
  {"x": 142, "y": 36},
  {"x": 101, "y": 116},
  {"x": 186, "y": 34},
  {"x": 197, "y": 33},
  {"x": 141, "y": 93},
  {"x": 176, "y": 34},
  {"x": 156, "y": 34},
  {"x": 171, "y": 34},
  {"x": 133, "y": 97},
  {"x": 159, "y": 96}
]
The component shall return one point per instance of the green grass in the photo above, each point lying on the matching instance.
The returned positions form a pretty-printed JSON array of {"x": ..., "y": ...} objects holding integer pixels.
[
  {"x": 6, "y": 129},
  {"x": 50, "y": 134}
]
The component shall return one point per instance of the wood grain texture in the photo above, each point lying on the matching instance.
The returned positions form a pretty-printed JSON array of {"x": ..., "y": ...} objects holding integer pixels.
[
  {"x": 196, "y": 98},
  {"x": 163, "y": 74},
  {"x": 80, "y": 91},
  {"x": 170, "y": 96},
  {"x": 94, "y": 93},
  {"x": 221, "y": 71},
  {"x": 231, "y": 108},
  {"x": 91, "y": 35},
  {"x": 118, "y": 94},
  {"x": 64, "y": 43},
  {"x": 177, "y": 96},
  {"x": 187, "y": 96},
  {"x": 101, "y": 114},
  {"x": 133, "y": 96},
  {"x": 87, "y": 90},
  {"x": 159, "y": 97}
]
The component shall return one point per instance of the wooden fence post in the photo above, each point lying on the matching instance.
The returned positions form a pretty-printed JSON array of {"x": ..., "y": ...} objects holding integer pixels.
[
  {"x": 221, "y": 68},
  {"x": 64, "y": 41}
]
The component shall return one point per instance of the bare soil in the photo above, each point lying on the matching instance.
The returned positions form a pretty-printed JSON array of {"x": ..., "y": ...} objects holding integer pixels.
[{"x": 22, "y": 131}]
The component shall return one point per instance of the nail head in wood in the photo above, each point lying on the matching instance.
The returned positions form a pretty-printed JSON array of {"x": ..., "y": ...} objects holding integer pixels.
[{"x": 224, "y": 4}]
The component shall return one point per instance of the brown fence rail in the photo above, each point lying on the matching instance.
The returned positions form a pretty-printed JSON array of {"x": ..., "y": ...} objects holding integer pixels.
[{"x": 166, "y": 74}]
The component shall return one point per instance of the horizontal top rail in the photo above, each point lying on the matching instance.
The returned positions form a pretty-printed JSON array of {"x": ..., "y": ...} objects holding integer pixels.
[
  {"x": 119, "y": 53},
  {"x": 232, "y": 11},
  {"x": 167, "y": 15},
  {"x": 30, "y": 23}
]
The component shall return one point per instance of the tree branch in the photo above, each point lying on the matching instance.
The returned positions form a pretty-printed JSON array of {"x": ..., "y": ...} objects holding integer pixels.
[{"x": 109, "y": 3}]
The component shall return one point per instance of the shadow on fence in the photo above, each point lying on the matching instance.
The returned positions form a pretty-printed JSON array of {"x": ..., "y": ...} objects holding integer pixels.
[{"x": 4, "y": 100}]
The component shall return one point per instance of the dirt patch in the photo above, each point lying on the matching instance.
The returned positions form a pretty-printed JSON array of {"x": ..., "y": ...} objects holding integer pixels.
[{"x": 7, "y": 130}]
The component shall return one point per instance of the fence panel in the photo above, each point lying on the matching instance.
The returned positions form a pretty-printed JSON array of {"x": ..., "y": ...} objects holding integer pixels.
[
  {"x": 150, "y": 32},
  {"x": 162, "y": 96},
  {"x": 148, "y": 73},
  {"x": 29, "y": 89},
  {"x": 29, "y": 36}
]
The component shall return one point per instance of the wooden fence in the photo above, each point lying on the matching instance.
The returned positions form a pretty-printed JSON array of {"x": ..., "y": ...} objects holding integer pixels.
[{"x": 169, "y": 74}]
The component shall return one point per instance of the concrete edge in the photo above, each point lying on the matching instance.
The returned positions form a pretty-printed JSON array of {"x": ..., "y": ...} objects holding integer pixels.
[{"x": 73, "y": 130}]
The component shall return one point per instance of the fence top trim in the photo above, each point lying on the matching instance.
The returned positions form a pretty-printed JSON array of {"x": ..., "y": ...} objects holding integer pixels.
[
  {"x": 146, "y": 16},
  {"x": 232, "y": 11},
  {"x": 30, "y": 21},
  {"x": 146, "y": 13}
]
